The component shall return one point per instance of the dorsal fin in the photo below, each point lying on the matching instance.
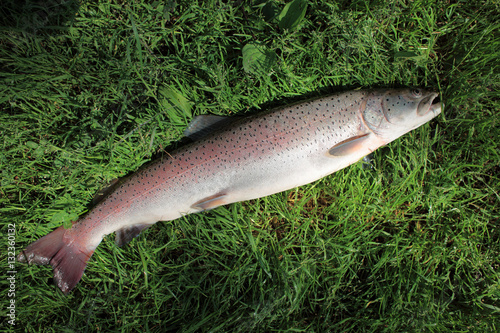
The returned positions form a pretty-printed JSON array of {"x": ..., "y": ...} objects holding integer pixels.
[
  {"x": 103, "y": 193},
  {"x": 206, "y": 124}
]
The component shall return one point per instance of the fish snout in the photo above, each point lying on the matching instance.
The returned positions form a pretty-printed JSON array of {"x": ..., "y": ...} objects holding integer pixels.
[{"x": 428, "y": 104}]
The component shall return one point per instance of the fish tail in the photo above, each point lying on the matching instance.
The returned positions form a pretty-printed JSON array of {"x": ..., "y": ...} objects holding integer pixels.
[{"x": 66, "y": 253}]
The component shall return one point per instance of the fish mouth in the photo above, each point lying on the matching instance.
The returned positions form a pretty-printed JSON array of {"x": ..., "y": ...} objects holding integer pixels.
[{"x": 429, "y": 104}]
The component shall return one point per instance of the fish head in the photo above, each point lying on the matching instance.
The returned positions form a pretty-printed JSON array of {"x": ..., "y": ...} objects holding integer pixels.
[{"x": 390, "y": 114}]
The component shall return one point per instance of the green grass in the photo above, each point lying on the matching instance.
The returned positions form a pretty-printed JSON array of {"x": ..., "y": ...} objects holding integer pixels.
[{"x": 90, "y": 92}]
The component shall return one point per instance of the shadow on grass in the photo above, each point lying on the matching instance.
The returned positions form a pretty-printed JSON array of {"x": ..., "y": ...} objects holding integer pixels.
[{"x": 37, "y": 16}]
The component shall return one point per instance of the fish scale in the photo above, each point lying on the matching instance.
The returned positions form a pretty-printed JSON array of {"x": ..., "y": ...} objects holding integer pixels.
[{"x": 245, "y": 159}]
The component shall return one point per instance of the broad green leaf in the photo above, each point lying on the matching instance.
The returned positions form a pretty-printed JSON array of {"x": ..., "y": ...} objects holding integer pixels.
[
  {"x": 64, "y": 217},
  {"x": 270, "y": 11},
  {"x": 257, "y": 59},
  {"x": 32, "y": 145},
  {"x": 292, "y": 14},
  {"x": 405, "y": 54},
  {"x": 172, "y": 100}
]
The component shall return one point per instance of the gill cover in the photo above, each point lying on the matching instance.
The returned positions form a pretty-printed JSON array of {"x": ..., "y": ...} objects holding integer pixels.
[{"x": 393, "y": 113}]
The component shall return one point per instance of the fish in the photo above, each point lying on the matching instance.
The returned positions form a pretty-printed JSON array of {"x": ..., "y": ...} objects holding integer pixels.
[{"x": 236, "y": 159}]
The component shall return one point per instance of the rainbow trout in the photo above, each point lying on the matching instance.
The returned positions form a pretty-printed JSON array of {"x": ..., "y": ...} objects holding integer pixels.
[{"x": 243, "y": 159}]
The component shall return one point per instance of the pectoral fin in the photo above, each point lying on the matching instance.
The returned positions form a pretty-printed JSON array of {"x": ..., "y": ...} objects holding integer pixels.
[
  {"x": 349, "y": 146},
  {"x": 211, "y": 202}
]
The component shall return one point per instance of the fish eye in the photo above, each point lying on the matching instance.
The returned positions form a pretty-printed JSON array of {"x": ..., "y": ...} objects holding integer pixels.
[{"x": 416, "y": 93}]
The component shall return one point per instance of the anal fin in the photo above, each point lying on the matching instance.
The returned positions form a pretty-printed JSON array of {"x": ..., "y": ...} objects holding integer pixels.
[{"x": 126, "y": 234}]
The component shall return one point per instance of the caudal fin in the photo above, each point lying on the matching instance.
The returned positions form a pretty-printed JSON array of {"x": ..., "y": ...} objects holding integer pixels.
[{"x": 67, "y": 256}]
